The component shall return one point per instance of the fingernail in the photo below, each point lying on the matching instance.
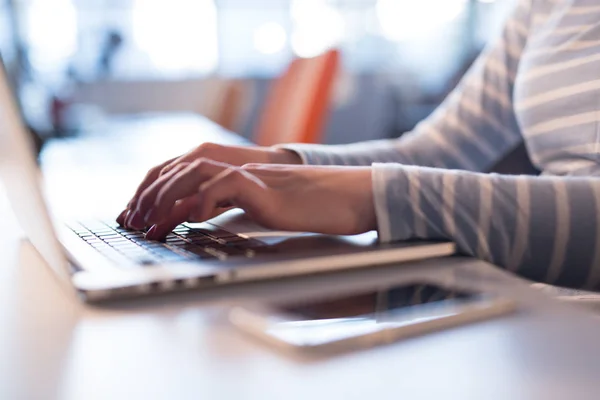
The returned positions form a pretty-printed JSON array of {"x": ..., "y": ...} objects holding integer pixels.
[
  {"x": 136, "y": 221},
  {"x": 151, "y": 232}
]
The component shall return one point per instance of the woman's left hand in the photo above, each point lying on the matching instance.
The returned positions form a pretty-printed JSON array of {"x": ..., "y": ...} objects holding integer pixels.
[{"x": 331, "y": 200}]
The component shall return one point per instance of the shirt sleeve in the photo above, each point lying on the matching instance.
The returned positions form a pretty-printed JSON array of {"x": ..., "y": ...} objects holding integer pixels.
[
  {"x": 527, "y": 224},
  {"x": 472, "y": 129}
]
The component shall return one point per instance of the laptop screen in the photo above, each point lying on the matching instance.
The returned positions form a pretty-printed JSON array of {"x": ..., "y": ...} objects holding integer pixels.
[{"x": 22, "y": 180}]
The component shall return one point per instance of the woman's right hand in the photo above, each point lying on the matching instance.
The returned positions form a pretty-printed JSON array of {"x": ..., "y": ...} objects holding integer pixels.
[{"x": 233, "y": 155}]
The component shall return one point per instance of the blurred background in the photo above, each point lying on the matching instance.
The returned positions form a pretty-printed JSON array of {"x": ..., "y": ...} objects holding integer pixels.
[{"x": 78, "y": 63}]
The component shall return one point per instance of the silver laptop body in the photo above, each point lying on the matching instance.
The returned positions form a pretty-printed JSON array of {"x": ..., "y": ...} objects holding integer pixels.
[{"x": 100, "y": 260}]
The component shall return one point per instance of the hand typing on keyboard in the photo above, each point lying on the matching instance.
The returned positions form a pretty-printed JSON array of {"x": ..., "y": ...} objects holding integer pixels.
[
  {"x": 233, "y": 155},
  {"x": 122, "y": 245},
  {"x": 333, "y": 200}
]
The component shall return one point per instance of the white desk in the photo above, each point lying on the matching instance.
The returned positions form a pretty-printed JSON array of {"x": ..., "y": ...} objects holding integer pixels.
[{"x": 181, "y": 347}]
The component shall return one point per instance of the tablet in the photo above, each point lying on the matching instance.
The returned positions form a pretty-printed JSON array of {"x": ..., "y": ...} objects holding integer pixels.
[{"x": 366, "y": 318}]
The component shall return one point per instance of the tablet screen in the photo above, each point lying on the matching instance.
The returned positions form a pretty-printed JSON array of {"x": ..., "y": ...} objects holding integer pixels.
[{"x": 313, "y": 323}]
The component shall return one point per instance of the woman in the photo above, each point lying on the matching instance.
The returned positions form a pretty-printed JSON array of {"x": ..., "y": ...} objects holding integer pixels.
[{"x": 538, "y": 84}]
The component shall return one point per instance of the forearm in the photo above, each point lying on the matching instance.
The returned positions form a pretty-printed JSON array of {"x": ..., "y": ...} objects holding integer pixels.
[
  {"x": 357, "y": 154},
  {"x": 544, "y": 228}
]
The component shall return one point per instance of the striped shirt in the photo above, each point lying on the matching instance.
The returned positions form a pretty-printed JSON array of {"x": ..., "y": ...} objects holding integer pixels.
[{"x": 539, "y": 83}]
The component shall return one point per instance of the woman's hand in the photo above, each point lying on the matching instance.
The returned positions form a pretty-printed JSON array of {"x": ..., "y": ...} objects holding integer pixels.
[
  {"x": 234, "y": 155},
  {"x": 332, "y": 200}
]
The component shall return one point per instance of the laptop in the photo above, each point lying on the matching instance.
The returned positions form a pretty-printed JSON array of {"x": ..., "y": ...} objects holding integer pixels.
[{"x": 100, "y": 260}]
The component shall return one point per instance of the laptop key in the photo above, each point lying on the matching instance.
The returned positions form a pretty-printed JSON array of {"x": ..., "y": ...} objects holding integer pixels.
[
  {"x": 119, "y": 239},
  {"x": 125, "y": 246},
  {"x": 175, "y": 239},
  {"x": 177, "y": 244},
  {"x": 200, "y": 254},
  {"x": 220, "y": 241},
  {"x": 134, "y": 234},
  {"x": 162, "y": 250},
  {"x": 75, "y": 226},
  {"x": 145, "y": 242},
  {"x": 152, "y": 246},
  {"x": 104, "y": 230},
  {"x": 216, "y": 253},
  {"x": 135, "y": 239},
  {"x": 217, "y": 232},
  {"x": 198, "y": 251},
  {"x": 195, "y": 233},
  {"x": 109, "y": 236},
  {"x": 250, "y": 244},
  {"x": 236, "y": 240},
  {"x": 111, "y": 224},
  {"x": 232, "y": 251},
  {"x": 201, "y": 240}
]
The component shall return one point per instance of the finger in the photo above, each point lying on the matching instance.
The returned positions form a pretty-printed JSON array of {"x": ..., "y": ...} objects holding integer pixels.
[
  {"x": 156, "y": 204},
  {"x": 121, "y": 217},
  {"x": 150, "y": 177},
  {"x": 184, "y": 159},
  {"x": 136, "y": 218},
  {"x": 165, "y": 168},
  {"x": 128, "y": 220},
  {"x": 233, "y": 187},
  {"x": 179, "y": 214},
  {"x": 205, "y": 150}
]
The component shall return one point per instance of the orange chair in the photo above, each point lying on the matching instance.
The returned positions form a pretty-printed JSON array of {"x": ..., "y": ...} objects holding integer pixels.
[
  {"x": 224, "y": 102},
  {"x": 297, "y": 105}
]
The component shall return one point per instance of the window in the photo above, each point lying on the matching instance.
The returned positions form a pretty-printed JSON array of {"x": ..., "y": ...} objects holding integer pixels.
[
  {"x": 143, "y": 39},
  {"x": 254, "y": 37},
  {"x": 49, "y": 28},
  {"x": 177, "y": 39}
]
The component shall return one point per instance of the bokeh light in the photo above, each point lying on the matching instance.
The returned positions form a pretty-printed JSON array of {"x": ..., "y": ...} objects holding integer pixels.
[
  {"x": 317, "y": 27},
  {"x": 270, "y": 38},
  {"x": 408, "y": 19}
]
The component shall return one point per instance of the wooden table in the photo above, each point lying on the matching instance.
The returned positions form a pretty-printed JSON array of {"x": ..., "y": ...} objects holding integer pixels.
[{"x": 182, "y": 347}]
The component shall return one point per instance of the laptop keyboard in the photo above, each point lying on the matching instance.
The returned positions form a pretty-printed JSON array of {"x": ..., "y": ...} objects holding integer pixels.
[{"x": 185, "y": 243}]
